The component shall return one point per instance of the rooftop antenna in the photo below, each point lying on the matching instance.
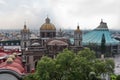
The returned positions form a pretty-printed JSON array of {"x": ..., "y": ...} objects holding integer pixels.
[
  {"x": 47, "y": 15},
  {"x": 101, "y": 20}
]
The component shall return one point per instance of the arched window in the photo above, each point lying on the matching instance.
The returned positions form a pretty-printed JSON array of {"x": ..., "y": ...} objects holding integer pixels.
[
  {"x": 17, "y": 43},
  {"x": 12, "y": 44},
  {"x": 1, "y": 44},
  {"x": 6, "y": 44}
]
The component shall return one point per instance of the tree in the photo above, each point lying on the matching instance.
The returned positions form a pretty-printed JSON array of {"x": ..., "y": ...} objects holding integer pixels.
[
  {"x": 109, "y": 66},
  {"x": 29, "y": 77},
  {"x": 99, "y": 67},
  {"x": 45, "y": 69},
  {"x": 117, "y": 78},
  {"x": 104, "y": 67},
  {"x": 103, "y": 44},
  {"x": 70, "y": 66},
  {"x": 92, "y": 76},
  {"x": 63, "y": 64},
  {"x": 87, "y": 53},
  {"x": 86, "y": 58}
]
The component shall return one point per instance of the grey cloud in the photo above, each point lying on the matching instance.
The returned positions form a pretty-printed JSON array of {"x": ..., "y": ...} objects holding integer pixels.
[
  {"x": 95, "y": 7},
  {"x": 62, "y": 12}
]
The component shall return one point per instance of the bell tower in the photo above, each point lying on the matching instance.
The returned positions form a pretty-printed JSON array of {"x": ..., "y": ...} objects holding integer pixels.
[
  {"x": 78, "y": 37},
  {"x": 25, "y": 37}
]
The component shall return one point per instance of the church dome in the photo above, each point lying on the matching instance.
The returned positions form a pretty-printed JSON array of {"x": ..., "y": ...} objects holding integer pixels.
[
  {"x": 18, "y": 61},
  {"x": 3, "y": 55},
  {"x": 35, "y": 44},
  {"x": 12, "y": 68},
  {"x": 16, "y": 65},
  {"x": 9, "y": 60},
  {"x": 13, "y": 64},
  {"x": 57, "y": 42},
  {"x": 11, "y": 56},
  {"x": 47, "y": 25}
]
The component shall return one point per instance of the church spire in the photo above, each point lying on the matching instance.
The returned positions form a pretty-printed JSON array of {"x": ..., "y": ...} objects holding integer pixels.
[
  {"x": 47, "y": 20},
  {"x": 101, "y": 21},
  {"x": 78, "y": 37},
  {"x": 78, "y": 26},
  {"x": 78, "y": 29},
  {"x": 102, "y": 25},
  {"x": 25, "y": 27}
]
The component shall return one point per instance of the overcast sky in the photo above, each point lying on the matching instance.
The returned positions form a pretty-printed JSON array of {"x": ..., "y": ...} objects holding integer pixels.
[{"x": 66, "y": 14}]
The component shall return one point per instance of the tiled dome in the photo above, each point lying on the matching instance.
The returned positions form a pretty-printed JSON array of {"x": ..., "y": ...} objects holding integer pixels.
[
  {"x": 57, "y": 42},
  {"x": 3, "y": 55}
]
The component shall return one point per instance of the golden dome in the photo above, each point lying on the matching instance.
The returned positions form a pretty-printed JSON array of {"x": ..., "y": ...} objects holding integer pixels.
[
  {"x": 11, "y": 56},
  {"x": 47, "y": 25},
  {"x": 14, "y": 53},
  {"x": 9, "y": 60},
  {"x": 78, "y": 29}
]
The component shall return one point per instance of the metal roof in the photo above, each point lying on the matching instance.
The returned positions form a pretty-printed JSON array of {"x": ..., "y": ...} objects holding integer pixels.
[{"x": 95, "y": 36}]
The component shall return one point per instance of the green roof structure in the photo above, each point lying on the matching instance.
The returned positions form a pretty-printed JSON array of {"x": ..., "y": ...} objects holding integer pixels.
[{"x": 95, "y": 36}]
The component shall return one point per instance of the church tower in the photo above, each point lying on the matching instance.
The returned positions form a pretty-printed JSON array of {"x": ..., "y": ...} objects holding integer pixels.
[
  {"x": 78, "y": 37},
  {"x": 25, "y": 36},
  {"x": 60, "y": 33}
]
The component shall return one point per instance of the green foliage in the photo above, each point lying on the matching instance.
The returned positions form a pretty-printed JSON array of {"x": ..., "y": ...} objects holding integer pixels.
[
  {"x": 45, "y": 69},
  {"x": 65, "y": 58},
  {"x": 98, "y": 78},
  {"x": 110, "y": 65},
  {"x": 70, "y": 66},
  {"x": 114, "y": 77},
  {"x": 103, "y": 44},
  {"x": 29, "y": 77},
  {"x": 63, "y": 64},
  {"x": 93, "y": 46},
  {"x": 92, "y": 76},
  {"x": 104, "y": 66},
  {"x": 87, "y": 53},
  {"x": 118, "y": 77},
  {"x": 99, "y": 67}
]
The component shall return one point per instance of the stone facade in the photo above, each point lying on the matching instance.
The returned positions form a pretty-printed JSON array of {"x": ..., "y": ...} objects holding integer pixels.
[{"x": 48, "y": 44}]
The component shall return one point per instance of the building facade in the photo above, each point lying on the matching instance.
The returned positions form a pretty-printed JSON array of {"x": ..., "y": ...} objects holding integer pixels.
[
  {"x": 25, "y": 37},
  {"x": 47, "y": 44},
  {"x": 93, "y": 39},
  {"x": 78, "y": 37}
]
